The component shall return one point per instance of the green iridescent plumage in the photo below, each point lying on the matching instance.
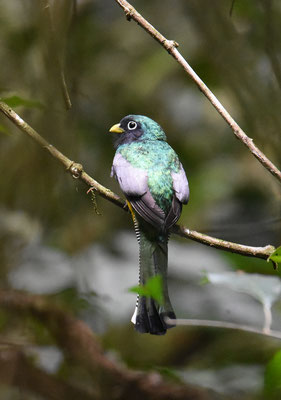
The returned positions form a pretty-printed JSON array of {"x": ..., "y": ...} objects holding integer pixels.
[
  {"x": 158, "y": 159},
  {"x": 152, "y": 178}
]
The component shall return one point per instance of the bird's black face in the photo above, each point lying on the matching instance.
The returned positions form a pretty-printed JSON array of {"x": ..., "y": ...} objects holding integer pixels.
[{"x": 129, "y": 130}]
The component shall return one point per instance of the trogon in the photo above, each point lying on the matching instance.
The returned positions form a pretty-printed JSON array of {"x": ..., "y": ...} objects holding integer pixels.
[{"x": 155, "y": 185}]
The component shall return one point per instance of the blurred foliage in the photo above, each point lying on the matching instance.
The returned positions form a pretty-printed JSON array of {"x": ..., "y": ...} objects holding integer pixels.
[
  {"x": 273, "y": 377},
  {"x": 16, "y": 101},
  {"x": 113, "y": 68}
]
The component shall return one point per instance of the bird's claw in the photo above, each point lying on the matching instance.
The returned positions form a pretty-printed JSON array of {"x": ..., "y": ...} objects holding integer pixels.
[{"x": 92, "y": 188}]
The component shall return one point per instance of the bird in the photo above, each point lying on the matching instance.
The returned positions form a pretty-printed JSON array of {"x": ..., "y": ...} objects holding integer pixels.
[{"x": 154, "y": 183}]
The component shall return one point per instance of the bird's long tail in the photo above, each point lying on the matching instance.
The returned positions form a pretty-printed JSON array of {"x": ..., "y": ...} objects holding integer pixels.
[{"x": 149, "y": 316}]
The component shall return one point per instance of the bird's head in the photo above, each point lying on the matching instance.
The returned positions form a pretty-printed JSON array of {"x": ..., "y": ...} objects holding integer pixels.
[{"x": 134, "y": 128}]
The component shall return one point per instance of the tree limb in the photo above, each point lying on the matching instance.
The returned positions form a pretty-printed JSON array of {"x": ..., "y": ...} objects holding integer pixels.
[
  {"x": 259, "y": 252},
  {"x": 171, "y": 47},
  {"x": 75, "y": 169},
  {"x": 78, "y": 343},
  {"x": 77, "y": 172},
  {"x": 16, "y": 370}
]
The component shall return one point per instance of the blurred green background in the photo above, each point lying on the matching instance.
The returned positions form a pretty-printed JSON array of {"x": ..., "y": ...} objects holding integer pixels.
[{"x": 52, "y": 240}]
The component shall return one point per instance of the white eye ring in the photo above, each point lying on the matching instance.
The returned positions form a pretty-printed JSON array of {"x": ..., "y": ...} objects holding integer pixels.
[{"x": 132, "y": 125}]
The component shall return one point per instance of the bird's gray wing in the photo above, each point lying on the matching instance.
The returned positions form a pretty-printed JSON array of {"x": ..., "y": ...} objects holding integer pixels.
[
  {"x": 180, "y": 185},
  {"x": 147, "y": 208},
  {"x": 181, "y": 195},
  {"x": 133, "y": 183},
  {"x": 174, "y": 213}
]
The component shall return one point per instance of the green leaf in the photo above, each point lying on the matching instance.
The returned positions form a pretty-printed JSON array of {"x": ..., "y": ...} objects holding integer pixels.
[
  {"x": 275, "y": 256},
  {"x": 153, "y": 288},
  {"x": 272, "y": 377},
  {"x": 16, "y": 101},
  {"x": 141, "y": 290}
]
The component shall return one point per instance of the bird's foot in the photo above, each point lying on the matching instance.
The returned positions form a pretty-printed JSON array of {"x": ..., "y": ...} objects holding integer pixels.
[{"x": 92, "y": 188}]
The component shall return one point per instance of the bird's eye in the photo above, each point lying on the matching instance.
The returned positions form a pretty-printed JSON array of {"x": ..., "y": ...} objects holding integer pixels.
[{"x": 132, "y": 125}]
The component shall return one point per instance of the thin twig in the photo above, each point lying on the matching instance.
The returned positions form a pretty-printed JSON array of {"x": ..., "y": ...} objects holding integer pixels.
[
  {"x": 58, "y": 59},
  {"x": 224, "y": 325},
  {"x": 231, "y": 7},
  {"x": 171, "y": 47},
  {"x": 77, "y": 172},
  {"x": 267, "y": 317}
]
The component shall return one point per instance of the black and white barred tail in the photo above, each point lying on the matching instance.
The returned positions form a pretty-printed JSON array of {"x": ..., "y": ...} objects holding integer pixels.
[{"x": 149, "y": 316}]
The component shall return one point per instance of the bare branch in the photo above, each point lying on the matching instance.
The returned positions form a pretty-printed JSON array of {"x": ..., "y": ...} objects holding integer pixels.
[
  {"x": 77, "y": 172},
  {"x": 75, "y": 169},
  {"x": 259, "y": 252},
  {"x": 171, "y": 47},
  {"x": 224, "y": 325}
]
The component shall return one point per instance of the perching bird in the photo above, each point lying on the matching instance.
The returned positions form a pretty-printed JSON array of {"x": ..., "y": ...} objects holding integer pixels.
[{"x": 155, "y": 185}]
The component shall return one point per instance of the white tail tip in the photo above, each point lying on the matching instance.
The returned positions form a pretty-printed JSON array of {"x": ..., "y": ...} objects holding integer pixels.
[{"x": 134, "y": 317}]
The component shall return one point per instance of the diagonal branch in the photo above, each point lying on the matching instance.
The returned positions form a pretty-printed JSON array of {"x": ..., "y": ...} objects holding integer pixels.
[
  {"x": 171, "y": 47},
  {"x": 77, "y": 172},
  {"x": 75, "y": 169}
]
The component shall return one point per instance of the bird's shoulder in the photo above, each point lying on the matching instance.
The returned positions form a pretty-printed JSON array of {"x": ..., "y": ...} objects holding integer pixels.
[{"x": 150, "y": 153}]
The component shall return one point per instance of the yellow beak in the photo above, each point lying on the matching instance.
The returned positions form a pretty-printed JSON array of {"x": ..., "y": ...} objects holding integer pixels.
[{"x": 116, "y": 129}]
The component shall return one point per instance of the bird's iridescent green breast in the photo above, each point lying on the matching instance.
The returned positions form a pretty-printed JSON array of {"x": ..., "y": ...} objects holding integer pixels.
[{"x": 158, "y": 159}]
